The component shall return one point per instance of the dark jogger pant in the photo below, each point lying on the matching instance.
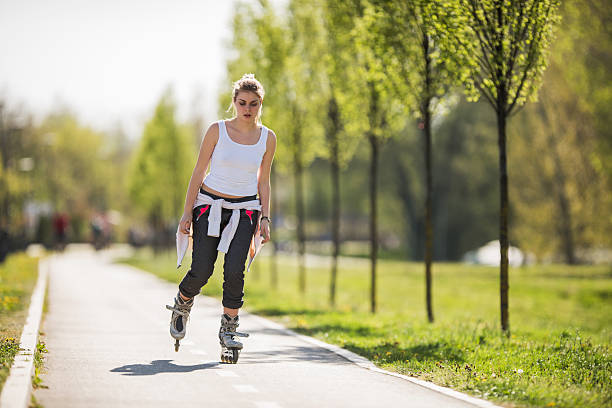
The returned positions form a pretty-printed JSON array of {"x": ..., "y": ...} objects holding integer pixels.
[{"x": 205, "y": 253}]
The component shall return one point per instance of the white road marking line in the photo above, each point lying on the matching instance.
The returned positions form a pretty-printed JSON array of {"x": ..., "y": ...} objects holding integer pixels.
[
  {"x": 199, "y": 352},
  {"x": 245, "y": 388},
  {"x": 223, "y": 373},
  {"x": 266, "y": 404},
  {"x": 187, "y": 343}
]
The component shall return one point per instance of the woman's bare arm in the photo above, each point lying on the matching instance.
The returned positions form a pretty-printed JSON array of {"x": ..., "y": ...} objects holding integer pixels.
[{"x": 263, "y": 182}]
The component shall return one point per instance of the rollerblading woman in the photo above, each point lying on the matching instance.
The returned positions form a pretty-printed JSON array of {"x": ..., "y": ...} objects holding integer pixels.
[{"x": 228, "y": 209}]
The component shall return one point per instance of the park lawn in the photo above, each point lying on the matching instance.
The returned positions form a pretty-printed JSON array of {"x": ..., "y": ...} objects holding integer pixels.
[
  {"x": 18, "y": 275},
  {"x": 558, "y": 354}
]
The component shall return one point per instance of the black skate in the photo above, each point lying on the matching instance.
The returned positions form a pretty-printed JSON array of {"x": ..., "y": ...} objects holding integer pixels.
[{"x": 230, "y": 347}]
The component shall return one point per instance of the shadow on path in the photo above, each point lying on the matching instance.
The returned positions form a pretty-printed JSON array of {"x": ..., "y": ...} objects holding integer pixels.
[
  {"x": 160, "y": 366},
  {"x": 284, "y": 312},
  {"x": 285, "y": 354},
  {"x": 393, "y": 352}
]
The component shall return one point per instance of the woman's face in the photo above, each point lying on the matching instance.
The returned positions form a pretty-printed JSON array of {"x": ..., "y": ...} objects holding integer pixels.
[{"x": 247, "y": 106}]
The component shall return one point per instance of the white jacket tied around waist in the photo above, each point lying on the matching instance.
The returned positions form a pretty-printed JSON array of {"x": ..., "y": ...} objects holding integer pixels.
[{"x": 214, "y": 225}]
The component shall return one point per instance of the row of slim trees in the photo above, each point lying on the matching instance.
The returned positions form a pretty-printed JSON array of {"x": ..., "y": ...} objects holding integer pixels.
[
  {"x": 343, "y": 75},
  {"x": 337, "y": 71}
]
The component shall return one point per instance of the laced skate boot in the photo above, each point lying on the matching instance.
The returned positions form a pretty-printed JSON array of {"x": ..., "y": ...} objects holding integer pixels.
[
  {"x": 230, "y": 347},
  {"x": 178, "y": 321}
]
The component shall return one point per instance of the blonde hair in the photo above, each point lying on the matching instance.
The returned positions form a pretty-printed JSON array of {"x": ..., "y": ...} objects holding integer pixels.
[{"x": 247, "y": 83}]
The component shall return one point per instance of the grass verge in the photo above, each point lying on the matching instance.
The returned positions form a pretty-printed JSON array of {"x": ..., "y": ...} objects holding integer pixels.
[
  {"x": 39, "y": 365},
  {"x": 18, "y": 275},
  {"x": 558, "y": 354}
]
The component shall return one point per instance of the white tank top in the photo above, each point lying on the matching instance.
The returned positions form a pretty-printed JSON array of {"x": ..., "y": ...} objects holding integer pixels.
[{"x": 234, "y": 166}]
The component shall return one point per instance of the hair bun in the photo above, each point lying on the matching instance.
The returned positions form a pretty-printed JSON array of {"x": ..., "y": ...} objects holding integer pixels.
[{"x": 248, "y": 83}]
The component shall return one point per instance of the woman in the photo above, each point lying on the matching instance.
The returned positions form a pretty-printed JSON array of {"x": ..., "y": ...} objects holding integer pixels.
[{"x": 224, "y": 209}]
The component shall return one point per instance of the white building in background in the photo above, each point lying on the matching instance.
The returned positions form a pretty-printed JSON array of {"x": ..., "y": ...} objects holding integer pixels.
[{"x": 489, "y": 255}]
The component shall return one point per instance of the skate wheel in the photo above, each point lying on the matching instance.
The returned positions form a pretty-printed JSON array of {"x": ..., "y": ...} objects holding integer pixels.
[
  {"x": 229, "y": 356},
  {"x": 176, "y": 346}
]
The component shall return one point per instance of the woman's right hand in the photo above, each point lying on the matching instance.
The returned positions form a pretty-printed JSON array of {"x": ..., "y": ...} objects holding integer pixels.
[{"x": 185, "y": 223}]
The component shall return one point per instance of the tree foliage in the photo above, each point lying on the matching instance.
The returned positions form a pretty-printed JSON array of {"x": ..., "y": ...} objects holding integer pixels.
[
  {"x": 560, "y": 153},
  {"x": 420, "y": 67},
  {"x": 161, "y": 167},
  {"x": 503, "y": 49},
  {"x": 57, "y": 165},
  {"x": 16, "y": 183}
]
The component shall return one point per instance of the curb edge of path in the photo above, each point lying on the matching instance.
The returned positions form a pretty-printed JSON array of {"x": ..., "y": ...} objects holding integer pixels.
[
  {"x": 348, "y": 355},
  {"x": 367, "y": 364},
  {"x": 18, "y": 386}
]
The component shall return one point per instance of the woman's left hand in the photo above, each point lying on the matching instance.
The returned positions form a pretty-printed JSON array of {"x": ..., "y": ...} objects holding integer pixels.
[{"x": 264, "y": 230}]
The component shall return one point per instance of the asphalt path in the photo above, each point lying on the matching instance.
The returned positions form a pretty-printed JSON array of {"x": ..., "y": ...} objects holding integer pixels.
[{"x": 106, "y": 329}]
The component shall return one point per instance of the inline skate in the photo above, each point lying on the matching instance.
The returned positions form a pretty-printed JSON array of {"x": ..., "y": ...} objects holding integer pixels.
[
  {"x": 178, "y": 321},
  {"x": 230, "y": 346}
]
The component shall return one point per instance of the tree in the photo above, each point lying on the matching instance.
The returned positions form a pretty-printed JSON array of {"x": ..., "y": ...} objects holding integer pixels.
[
  {"x": 584, "y": 43},
  {"x": 57, "y": 165},
  {"x": 367, "y": 105},
  {"x": 16, "y": 164},
  {"x": 160, "y": 170},
  {"x": 503, "y": 47},
  {"x": 270, "y": 56},
  {"x": 411, "y": 33},
  {"x": 312, "y": 36},
  {"x": 559, "y": 152},
  {"x": 274, "y": 50},
  {"x": 324, "y": 33}
]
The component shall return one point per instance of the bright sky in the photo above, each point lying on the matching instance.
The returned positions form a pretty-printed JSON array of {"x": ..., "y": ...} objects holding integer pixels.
[{"x": 110, "y": 60}]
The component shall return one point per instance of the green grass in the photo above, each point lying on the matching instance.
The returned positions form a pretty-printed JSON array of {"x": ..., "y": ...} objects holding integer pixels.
[
  {"x": 39, "y": 368},
  {"x": 39, "y": 365},
  {"x": 18, "y": 275},
  {"x": 557, "y": 355}
]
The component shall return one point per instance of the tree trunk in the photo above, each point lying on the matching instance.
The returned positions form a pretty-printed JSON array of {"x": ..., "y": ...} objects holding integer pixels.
[
  {"x": 273, "y": 259},
  {"x": 428, "y": 215},
  {"x": 298, "y": 172},
  {"x": 426, "y": 112},
  {"x": 158, "y": 232},
  {"x": 565, "y": 222},
  {"x": 407, "y": 200},
  {"x": 373, "y": 205},
  {"x": 334, "y": 121},
  {"x": 502, "y": 115},
  {"x": 503, "y": 219}
]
